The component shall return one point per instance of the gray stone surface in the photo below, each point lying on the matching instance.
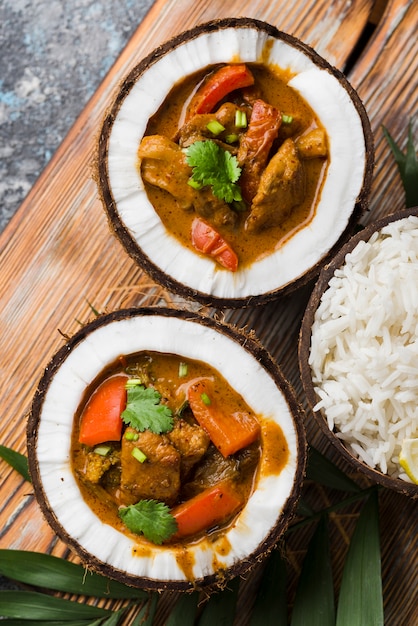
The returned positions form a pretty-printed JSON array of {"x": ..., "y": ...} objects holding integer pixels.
[{"x": 53, "y": 56}]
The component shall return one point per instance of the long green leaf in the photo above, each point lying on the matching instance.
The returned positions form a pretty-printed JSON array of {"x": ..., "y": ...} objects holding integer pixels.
[
  {"x": 18, "y": 461},
  {"x": 51, "y": 572},
  {"x": 220, "y": 609},
  {"x": 40, "y": 606},
  {"x": 147, "y": 613},
  {"x": 184, "y": 611},
  {"x": 407, "y": 165},
  {"x": 270, "y": 606},
  {"x": 323, "y": 471},
  {"x": 360, "y": 601},
  {"x": 314, "y": 601},
  {"x": 37, "y": 622}
]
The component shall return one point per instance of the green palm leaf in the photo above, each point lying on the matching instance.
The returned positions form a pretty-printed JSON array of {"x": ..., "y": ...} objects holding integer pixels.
[
  {"x": 314, "y": 600},
  {"x": 360, "y": 601},
  {"x": 51, "y": 572}
]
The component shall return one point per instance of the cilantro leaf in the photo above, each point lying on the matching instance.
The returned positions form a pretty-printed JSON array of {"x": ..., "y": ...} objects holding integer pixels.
[
  {"x": 149, "y": 518},
  {"x": 144, "y": 410},
  {"x": 214, "y": 166}
]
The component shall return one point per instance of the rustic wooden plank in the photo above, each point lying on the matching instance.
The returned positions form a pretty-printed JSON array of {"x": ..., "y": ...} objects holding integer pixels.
[{"x": 57, "y": 254}]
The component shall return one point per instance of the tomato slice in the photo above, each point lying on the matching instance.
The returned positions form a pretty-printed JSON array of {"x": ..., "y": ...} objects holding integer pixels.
[
  {"x": 218, "y": 85},
  {"x": 101, "y": 419},
  {"x": 208, "y": 241}
]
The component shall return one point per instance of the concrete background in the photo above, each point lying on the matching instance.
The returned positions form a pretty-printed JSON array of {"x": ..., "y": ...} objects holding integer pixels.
[{"x": 53, "y": 56}]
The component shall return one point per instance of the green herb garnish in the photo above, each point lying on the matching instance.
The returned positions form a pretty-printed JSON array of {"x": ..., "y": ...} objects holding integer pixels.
[
  {"x": 183, "y": 369},
  {"x": 216, "y": 167},
  {"x": 215, "y": 127},
  {"x": 102, "y": 450},
  {"x": 144, "y": 410},
  {"x": 140, "y": 456},
  {"x": 149, "y": 518}
]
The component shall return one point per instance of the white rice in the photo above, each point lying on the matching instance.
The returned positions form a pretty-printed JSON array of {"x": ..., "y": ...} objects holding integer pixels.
[{"x": 364, "y": 347}]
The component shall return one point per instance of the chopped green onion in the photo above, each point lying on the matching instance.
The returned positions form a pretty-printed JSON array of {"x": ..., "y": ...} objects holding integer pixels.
[
  {"x": 139, "y": 455},
  {"x": 130, "y": 436},
  {"x": 133, "y": 382},
  {"x": 215, "y": 127},
  {"x": 102, "y": 450},
  {"x": 231, "y": 138},
  {"x": 183, "y": 369},
  {"x": 287, "y": 119},
  {"x": 240, "y": 119},
  {"x": 194, "y": 183},
  {"x": 205, "y": 399}
]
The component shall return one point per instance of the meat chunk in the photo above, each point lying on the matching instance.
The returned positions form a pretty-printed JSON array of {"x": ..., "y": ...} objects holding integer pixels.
[
  {"x": 255, "y": 146},
  {"x": 96, "y": 465},
  {"x": 191, "y": 441},
  {"x": 282, "y": 187},
  {"x": 158, "y": 477},
  {"x": 313, "y": 144},
  {"x": 164, "y": 165},
  {"x": 196, "y": 129}
]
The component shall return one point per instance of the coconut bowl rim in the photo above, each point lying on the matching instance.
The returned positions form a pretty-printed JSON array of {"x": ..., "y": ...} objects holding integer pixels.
[
  {"x": 129, "y": 243},
  {"x": 304, "y": 343},
  {"x": 244, "y": 564}
]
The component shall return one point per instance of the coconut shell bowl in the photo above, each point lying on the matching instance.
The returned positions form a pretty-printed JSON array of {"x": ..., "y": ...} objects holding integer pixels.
[
  {"x": 232, "y": 163},
  {"x": 358, "y": 352},
  {"x": 213, "y": 503}
]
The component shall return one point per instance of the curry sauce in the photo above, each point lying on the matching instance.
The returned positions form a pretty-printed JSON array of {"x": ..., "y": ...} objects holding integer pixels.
[
  {"x": 181, "y": 463},
  {"x": 297, "y": 125}
]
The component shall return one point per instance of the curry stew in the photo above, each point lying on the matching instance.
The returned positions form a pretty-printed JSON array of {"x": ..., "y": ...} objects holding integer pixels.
[
  {"x": 208, "y": 451},
  {"x": 276, "y": 140}
]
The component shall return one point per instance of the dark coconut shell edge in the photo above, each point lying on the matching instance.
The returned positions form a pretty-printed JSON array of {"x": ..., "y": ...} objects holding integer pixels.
[
  {"x": 220, "y": 579},
  {"x": 122, "y": 233}
]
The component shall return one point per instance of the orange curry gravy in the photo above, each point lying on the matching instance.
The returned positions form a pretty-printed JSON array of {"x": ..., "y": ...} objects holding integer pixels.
[
  {"x": 101, "y": 487},
  {"x": 271, "y": 84}
]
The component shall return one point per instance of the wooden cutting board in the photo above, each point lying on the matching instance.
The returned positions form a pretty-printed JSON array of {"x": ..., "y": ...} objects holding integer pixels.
[{"x": 57, "y": 256}]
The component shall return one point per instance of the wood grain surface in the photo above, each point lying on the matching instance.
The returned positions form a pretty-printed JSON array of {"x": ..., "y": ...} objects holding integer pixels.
[{"x": 57, "y": 257}]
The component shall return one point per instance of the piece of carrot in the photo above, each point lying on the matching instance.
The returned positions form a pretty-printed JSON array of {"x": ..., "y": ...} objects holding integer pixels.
[
  {"x": 210, "y": 508},
  {"x": 218, "y": 85},
  {"x": 229, "y": 432},
  {"x": 101, "y": 419},
  {"x": 208, "y": 241}
]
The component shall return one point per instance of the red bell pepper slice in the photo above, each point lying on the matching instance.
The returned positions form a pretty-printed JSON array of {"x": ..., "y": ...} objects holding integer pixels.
[
  {"x": 101, "y": 419},
  {"x": 218, "y": 85},
  {"x": 208, "y": 241}
]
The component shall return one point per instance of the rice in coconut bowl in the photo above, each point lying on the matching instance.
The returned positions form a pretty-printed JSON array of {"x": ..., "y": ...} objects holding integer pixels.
[{"x": 358, "y": 351}]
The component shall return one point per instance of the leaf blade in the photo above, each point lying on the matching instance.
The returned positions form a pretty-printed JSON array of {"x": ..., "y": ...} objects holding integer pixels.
[
  {"x": 184, "y": 611},
  {"x": 270, "y": 606},
  {"x": 314, "y": 601},
  {"x": 360, "y": 600},
  {"x": 51, "y": 572},
  {"x": 220, "y": 609},
  {"x": 35, "y": 605},
  {"x": 18, "y": 461},
  {"x": 321, "y": 470}
]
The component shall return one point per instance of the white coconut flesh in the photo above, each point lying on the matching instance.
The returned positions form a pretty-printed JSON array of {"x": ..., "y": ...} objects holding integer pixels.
[
  {"x": 62, "y": 496},
  {"x": 343, "y": 183}
]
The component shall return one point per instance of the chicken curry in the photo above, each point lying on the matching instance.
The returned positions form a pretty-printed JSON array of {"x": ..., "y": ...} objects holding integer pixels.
[
  {"x": 164, "y": 448},
  {"x": 233, "y": 162}
]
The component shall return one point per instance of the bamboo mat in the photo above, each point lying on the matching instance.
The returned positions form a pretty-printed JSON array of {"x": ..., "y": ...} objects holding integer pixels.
[{"x": 57, "y": 258}]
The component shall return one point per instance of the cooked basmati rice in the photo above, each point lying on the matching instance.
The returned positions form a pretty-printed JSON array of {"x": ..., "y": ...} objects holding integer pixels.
[{"x": 364, "y": 347}]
